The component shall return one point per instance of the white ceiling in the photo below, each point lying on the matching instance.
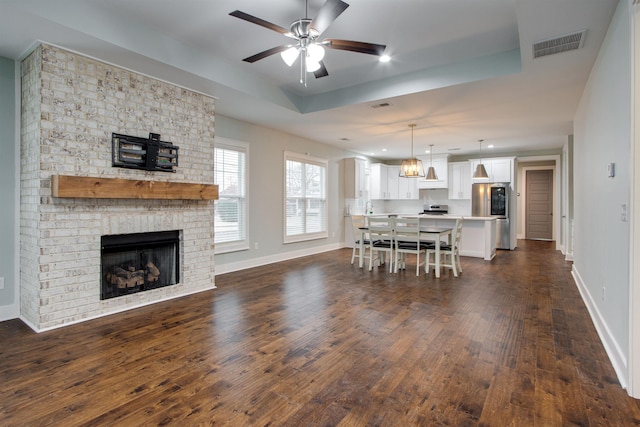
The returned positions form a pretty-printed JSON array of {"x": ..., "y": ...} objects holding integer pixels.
[{"x": 462, "y": 70}]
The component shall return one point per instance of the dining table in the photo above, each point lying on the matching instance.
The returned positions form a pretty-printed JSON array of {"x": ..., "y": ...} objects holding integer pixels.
[{"x": 430, "y": 233}]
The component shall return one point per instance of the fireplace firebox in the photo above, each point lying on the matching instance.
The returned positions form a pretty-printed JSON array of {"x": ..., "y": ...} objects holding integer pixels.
[{"x": 139, "y": 262}]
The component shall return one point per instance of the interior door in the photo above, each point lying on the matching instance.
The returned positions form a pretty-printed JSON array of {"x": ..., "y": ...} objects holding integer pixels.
[{"x": 539, "y": 205}]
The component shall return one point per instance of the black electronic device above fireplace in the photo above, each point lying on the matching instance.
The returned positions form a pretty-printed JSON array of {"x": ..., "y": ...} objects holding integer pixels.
[
  {"x": 139, "y": 262},
  {"x": 143, "y": 153}
]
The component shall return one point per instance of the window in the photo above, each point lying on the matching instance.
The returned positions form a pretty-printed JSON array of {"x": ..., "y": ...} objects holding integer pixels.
[
  {"x": 230, "y": 210},
  {"x": 305, "y": 198}
]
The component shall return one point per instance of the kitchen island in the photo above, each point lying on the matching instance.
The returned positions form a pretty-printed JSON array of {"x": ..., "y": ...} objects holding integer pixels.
[{"x": 478, "y": 233}]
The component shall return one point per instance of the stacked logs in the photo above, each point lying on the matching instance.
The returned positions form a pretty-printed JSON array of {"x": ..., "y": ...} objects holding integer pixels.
[{"x": 130, "y": 277}]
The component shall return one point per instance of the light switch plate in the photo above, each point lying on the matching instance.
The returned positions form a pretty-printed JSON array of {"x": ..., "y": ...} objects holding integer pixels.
[{"x": 611, "y": 168}]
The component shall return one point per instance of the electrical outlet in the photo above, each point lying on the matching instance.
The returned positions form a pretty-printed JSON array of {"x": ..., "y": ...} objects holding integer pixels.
[
  {"x": 1, "y": 282},
  {"x": 255, "y": 246},
  {"x": 623, "y": 212},
  {"x": 603, "y": 292},
  {"x": 333, "y": 234}
]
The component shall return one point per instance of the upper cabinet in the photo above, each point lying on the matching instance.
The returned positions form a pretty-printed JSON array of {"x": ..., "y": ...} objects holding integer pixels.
[
  {"x": 386, "y": 184},
  {"x": 356, "y": 178},
  {"x": 440, "y": 164},
  {"x": 407, "y": 188},
  {"x": 499, "y": 169},
  {"x": 380, "y": 182},
  {"x": 459, "y": 181}
]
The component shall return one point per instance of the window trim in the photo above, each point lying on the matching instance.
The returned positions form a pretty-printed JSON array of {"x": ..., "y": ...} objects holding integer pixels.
[
  {"x": 307, "y": 159},
  {"x": 239, "y": 245}
]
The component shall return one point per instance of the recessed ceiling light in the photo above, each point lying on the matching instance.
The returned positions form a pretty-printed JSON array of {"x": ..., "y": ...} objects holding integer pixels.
[
  {"x": 345, "y": 139},
  {"x": 490, "y": 146},
  {"x": 384, "y": 149},
  {"x": 384, "y": 58}
]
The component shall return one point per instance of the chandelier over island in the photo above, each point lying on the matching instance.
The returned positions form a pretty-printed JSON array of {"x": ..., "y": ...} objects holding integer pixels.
[{"x": 412, "y": 167}]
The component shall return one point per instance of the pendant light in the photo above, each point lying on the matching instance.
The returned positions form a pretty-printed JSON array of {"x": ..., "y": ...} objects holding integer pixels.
[
  {"x": 481, "y": 172},
  {"x": 431, "y": 172},
  {"x": 412, "y": 167}
]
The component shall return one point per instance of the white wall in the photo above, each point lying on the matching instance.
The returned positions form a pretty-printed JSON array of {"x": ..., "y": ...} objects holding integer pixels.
[
  {"x": 601, "y": 239},
  {"x": 8, "y": 182},
  {"x": 266, "y": 189}
]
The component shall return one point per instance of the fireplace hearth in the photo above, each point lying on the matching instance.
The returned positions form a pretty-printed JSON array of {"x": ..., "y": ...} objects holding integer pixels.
[{"x": 137, "y": 262}]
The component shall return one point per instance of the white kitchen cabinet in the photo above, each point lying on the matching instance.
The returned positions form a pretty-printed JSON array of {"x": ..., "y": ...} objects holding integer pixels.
[
  {"x": 386, "y": 184},
  {"x": 459, "y": 181},
  {"x": 356, "y": 178},
  {"x": 407, "y": 188},
  {"x": 499, "y": 169},
  {"x": 440, "y": 164},
  {"x": 393, "y": 181},
  {"x": 379, "y": 181}
]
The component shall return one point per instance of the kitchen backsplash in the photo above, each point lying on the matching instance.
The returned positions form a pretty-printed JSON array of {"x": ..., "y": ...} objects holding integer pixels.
[{"x": 427, "y": 197}]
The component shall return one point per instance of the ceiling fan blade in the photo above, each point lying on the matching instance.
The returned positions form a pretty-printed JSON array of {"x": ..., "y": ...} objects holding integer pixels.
[
  {"x": 258, "y": 21},
  {"x": 327, "y": 14},
  {"x": 353, "y": 46},
  {"x": 264, "y": 54},
  {"x": 321, "y": 72}
]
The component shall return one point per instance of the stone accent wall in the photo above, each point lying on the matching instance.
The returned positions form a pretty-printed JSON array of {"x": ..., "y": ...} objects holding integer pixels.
[{"x": 70, "y": 106}]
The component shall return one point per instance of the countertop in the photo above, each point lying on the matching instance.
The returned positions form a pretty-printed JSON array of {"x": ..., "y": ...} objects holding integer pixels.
[
  {"x": 446, "y": 216},
  {"x": 466, "y": 218}
]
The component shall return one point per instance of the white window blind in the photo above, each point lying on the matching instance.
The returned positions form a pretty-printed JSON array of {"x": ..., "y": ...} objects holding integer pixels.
[
  {"x": 230, "y": 210},
  {"x": 306, "y": 198}
]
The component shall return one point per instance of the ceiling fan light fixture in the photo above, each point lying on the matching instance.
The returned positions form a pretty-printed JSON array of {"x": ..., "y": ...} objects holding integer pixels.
[
  {"x": 306, "y": 32},
  {"x": 411, "y": 168},
  {"x": 315, "y": 52},
  {"x": 290, "y": 55},
  {"x": 312, "y": 66}
]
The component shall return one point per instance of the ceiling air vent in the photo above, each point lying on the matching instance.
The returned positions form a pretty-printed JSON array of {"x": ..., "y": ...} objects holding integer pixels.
[
  {"x": 559, "y": 44},
  {"x": 381, "y": 105}
]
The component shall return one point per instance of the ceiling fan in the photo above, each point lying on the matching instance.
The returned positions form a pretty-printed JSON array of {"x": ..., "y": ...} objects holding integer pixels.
[{"x": 306, "y": 33}]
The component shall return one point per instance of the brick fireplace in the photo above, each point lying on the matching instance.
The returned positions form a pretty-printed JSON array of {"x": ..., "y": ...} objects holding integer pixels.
[{"x": 71, "y": 104}]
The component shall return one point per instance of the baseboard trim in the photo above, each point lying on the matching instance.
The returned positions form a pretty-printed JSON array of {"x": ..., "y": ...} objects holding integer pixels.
[
  {"x": 286, "y": 256},
  {"x": 616, "y": 356}
]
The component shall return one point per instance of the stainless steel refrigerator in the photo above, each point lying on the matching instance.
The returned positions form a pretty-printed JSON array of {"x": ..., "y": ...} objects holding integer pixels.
[{"x": 492, "y": 200}]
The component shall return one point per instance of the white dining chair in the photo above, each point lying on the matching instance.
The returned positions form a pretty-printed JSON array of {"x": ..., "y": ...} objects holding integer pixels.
[
  {"x": 360, "y": 236},
  {"x": 381, "y": 237},
  {"x": 407, "y": 241},
  {"x": 449, "y": 252}
]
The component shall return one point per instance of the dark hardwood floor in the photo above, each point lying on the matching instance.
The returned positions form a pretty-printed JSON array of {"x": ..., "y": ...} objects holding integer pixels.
[{"x": 319, "y": 342}]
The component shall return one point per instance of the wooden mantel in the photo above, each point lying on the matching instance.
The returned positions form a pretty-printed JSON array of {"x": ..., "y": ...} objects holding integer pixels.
[{"x": 118, "y": 188}]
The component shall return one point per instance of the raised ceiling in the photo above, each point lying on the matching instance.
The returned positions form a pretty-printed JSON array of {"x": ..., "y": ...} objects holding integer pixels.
[{"x": 462, "y": 70}]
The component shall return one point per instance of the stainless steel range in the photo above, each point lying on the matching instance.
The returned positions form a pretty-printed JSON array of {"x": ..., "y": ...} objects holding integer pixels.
[{"x": 435, "y": 210}]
